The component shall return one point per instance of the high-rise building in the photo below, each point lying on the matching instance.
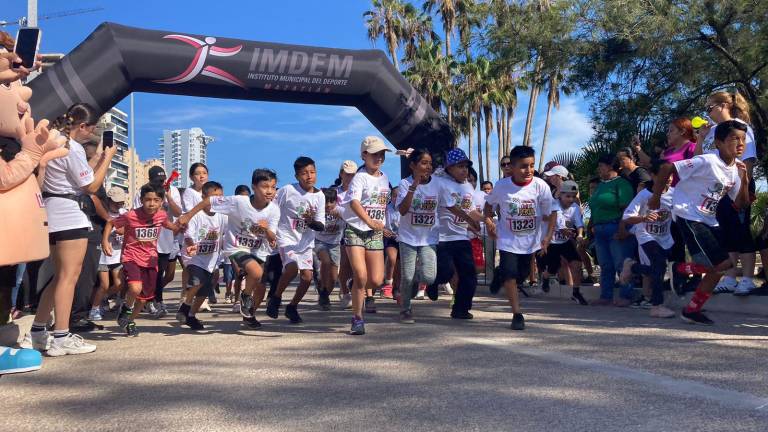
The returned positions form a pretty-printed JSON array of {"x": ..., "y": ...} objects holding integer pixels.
[
  {"x": 181, "y": 148},
  {"x": 117, "y": 121},
  {"x": 139, "y": 175}
]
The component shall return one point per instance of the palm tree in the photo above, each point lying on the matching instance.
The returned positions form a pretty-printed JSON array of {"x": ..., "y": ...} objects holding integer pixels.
[
  {"x": 384, "y": 21},
  {"x": 468, "y": 17},
  {"x": 429, "y": 72},
  {"x": 553, "y": 100},
  {"x": 447, "y": 11},
  {"x": 533, "y": 99},
  {"x": 415, "y": 29}
]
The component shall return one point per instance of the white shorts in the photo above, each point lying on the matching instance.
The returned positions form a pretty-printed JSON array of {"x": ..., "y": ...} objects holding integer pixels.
[{"x": 302, "y": 258}]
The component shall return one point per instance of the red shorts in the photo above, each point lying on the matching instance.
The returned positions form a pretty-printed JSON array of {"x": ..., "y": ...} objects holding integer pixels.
[
  {"x": 477, "y": 252},
  {"x": 146, "y": 276}
]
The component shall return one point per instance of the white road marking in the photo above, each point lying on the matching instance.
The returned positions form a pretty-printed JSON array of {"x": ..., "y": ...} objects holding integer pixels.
[{"x": 660, "y": 383}]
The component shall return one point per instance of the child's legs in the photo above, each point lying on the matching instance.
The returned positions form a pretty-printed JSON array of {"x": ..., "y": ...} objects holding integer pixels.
[
  {"x": 356, "y": 256},
  {"x": 305, "y": 279},
  {"x": 511, "y": 268},
  {"x": 345, "y": 271},
  {"x": 254, "y": 272},
  {"x": 101, "y": 291},
  {"x": 201, "y": 282},
  {"x": 326, "y": 274},
  {"x": 391, "y": 262},
  {"x": 408, "y": 256},
  {"x": 290, "y": 270},
  {"x": 170, "y": 272}
]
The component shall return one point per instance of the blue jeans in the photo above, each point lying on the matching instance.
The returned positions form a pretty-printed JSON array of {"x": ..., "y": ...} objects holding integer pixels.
[
  {"x": 611, "y": 254},
  {"x": 427, "y": 260},
  {"x": 19, "y": 278}
]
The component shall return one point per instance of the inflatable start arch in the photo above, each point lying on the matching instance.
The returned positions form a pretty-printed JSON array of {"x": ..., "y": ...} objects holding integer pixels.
[{"x": 116, "y": 60}]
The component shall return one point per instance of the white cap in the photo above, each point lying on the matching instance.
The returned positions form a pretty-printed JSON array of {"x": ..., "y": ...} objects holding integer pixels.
[
  {"x": 349, "y": 167},
  {"x": 373, "y": 144},
  {"x": 117, "y": 194},
  {"x": 557, "y": 170}
]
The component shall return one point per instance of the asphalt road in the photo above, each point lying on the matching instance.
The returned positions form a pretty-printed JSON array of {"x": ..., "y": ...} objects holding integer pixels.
[{"x": 575, "y": 368}]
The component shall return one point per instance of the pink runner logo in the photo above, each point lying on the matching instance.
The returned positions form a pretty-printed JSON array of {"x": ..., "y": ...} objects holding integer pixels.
[{"x": 198, "y": 67}]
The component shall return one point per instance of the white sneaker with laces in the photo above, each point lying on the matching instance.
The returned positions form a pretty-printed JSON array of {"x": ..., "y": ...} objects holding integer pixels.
[
  {"x": 346, "y": 301},
  {"x": 151, "y": 308},
  {"x": 70, "y": 344},
  {"x": 40, "y": 341},
  {"x": 95, "y": 315},
  {"x": 744, "y": 286},
  {"x": 160, "y": 310},
  {"x": 205, "y": 306},
  {"x": 447, "y": 289},
  {"x": 420, "y": 295}
]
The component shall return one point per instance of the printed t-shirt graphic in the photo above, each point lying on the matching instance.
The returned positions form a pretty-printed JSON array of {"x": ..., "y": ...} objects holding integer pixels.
[
  {"x": 704, "y": 181},
  {"x": 372, "y": 193},
  {"x": 296, "y": 205},
  {"x": 567, "y": 221},
  {"x": 244, "y": 232},
  {"x": 522, "y": 208},
  {"x": 419, "y": 227}
]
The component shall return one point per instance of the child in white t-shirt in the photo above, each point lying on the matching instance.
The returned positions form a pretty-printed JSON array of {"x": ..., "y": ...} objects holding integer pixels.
[
  {"x": 328, "y": 247},
  {"x": 302, "y": 213},
  {"x": 523, "y": 202},
  {"x": 652, "y": 229},
  {"x": 109, "y": 266},
  {"x": 202, "y": 242},
  {"x": 704, "y": 180}
]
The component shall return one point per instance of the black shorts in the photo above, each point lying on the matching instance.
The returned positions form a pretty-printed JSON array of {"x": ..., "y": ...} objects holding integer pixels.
[
  {"x": 703, "y": 242},
  {"x": 203, "y": 278},
  {"x": 556, "y": 251},
  {"x": 241, "y": 259},
  {"x": 735, "y": 227},
  {"x": 391, "y": 242},
  {"x": 514, "y": 266},
  {"x": 70, "y": 234}
]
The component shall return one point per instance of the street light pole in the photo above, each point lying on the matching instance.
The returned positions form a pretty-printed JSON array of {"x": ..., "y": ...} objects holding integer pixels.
[
  {"x": 133, "y": 149},
  {"x": 31, "y": 13}
]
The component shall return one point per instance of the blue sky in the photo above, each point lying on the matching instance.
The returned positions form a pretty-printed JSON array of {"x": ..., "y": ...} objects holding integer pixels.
[{"x": 263, "y": 134}]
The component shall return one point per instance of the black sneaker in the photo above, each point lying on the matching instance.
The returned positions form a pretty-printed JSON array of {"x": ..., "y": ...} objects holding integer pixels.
[
  {"x": 370, "y": 305},
  {"x": 696, "y": 318},
  {"x": 83, "y": 326},
  {"x": 246, "y": 305},
  {"x": 194, "y": 323},
  {"x": 518, "y": 322},
  {"x": 292, "y": 313},
  {"x": 432, "y": 292},
  {"x": 578, "y": 298},
  {"x": 324, "y": 300},
  {"x": 131, "y": 330},
  {"x": 124, "y": 316},
  {"x": 545, "y": 285},
  {"x": 461, "y": 315},
  {"x": 252, "y": 323},
  {"x": 273, "y": 307}
]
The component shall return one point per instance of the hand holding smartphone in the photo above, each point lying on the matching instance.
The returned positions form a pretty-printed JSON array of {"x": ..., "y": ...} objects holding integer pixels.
[
  {"x": 27, "y": 45},
  {"x": 108, "y": 139}
]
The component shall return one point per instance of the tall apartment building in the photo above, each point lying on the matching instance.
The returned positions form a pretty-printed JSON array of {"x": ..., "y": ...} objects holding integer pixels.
[
  {"x": 181, "y": 148},
  {"x": 118, "y": 174},
  {"x": 138, "y": 176}
]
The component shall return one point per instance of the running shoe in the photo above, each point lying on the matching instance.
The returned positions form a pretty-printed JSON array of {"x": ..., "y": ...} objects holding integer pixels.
[
  {"x": 406, "y": 317},
  {"x": 346, "y": 301},
  {"x": 160, "y": 310},
  {"x": 151, "y": 308},
  {"x": 181, "y": 315},
  {"x": 19, "y": 360},
  {"x": 420, "y": 292},
  {"x": 252, "y": 323},
  {"x": 71, "y": 344},
  {"x": 447, "y": 288},
  {"x": 744, "y": 287},
  {"x": 358, "y": 327},
  {"x": 273, "y": 307},
  {"x": 124, "y": 316},
  {"x": 727, "y": 284},
  {"x": 641, "y": 303},
  {"x": 292, "y": 313},
  {"x": 518, "y": 322},
  {"x": 40, "y": 341},
  {"x": 95, "y": 314},
  {"x": 463, "y": 315},
  {"x": 228, "y": 299},
  {"x": 370, "y": 305},
  {"x": 324, "y": 300},
  {"x": 131, "y": 330},
  {"x": 696, "y": 318},
  {"x": 194, "y": 323},
  {"x": 246, "y": 305},
  {"x": 432, "y": 292},
  {"x": 578, "y": 298},
  {"x": 386, "y": 291},
  {"x": 205, "y": 306},
  {"x": 545, "y": 284}
]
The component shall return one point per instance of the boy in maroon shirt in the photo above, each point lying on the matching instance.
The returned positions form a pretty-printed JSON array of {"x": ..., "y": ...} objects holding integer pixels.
[{"x": 139, "y": 258}]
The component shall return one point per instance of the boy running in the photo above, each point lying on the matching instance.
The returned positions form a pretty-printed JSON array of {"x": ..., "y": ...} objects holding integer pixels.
[
  {"x": 142, "y": 227},
  {"x": 328, "y": 247},
  {"x": 202, "y": 241},
  {"x": 524, "y": 202},
  {"x": 704, "y": 181},
  {"x": 302, "y": 213}
]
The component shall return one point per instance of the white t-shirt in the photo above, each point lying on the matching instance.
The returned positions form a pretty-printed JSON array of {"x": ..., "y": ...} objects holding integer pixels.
[
  {"x": 750, "y": 149},
  {"x": 704, "y": 180},
  {"x": 420, "y": 226},
  {"x": 67, "y": 176},
  {"x": 295, "y": 204},
  {"x": 115, "y": 240},
  {"x": 205, "y": 231},
  {"x": 452, "y": 193},
  {"x": 334, "y": 228},
  {"x": 478, "y": 199},
  {"x": 243, "y": 232},
  {"x": 372, "y": 193},
  {"x": 567, "y": 219},
  {"x": 166, "y": 243},
  {"x": 521, "y": 209},
  {"x": 658, "y": 230},
  {"x": 190, "y": 199},
  {"x": 393, "y": 218}
]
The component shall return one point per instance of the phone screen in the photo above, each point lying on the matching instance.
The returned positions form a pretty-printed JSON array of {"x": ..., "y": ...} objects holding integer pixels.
[
  {"x": 27, "y": 43},
  {"x": 108, "y": 139}
]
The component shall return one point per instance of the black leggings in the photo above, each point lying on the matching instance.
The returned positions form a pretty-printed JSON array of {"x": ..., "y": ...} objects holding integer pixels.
[
  {"x": 273, "y": 269},
  {"x": 162, "y": 266}
]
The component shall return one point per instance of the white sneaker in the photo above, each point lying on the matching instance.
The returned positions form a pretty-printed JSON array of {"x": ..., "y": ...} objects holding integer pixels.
[
  {"x": 447, "y": 289},
  {"x": 726, "y": 285},
  {"x": 420, "y": 294},
  {"x": 205, "y": 306},
  {"x": 151, "y": 308},
  {"x": 70, "y": 344},
  {"x": 160, "y": 310},
  {"x": 40, "y": 341},
  {"x": 95, "y": 314},
  {"x": 744, "y": 286},
  {"x": 346, "y": 301}
]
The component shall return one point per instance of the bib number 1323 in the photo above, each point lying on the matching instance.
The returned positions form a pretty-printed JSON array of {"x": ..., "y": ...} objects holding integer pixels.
[{"x": 522, "y": 225}]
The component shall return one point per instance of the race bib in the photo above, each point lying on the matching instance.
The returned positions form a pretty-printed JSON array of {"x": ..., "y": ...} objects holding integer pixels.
[
  {"x": 376, "y": 213},
  {"x": 248, "y": 241},
  {"x": 422, "y": 219},
  {"x": 332, "y": 227},
  {"x": 147, "y": 234},
  {"x": 656, "y": 229},
  {"x": 522, "y": 225},
  {"x": 562, "y": 235},
  {"x": 299, "y": 225},
  {"x": 709, "y": 206},
  {"x": 206, "y": 248},
  {"x": 117, "y": 240}
]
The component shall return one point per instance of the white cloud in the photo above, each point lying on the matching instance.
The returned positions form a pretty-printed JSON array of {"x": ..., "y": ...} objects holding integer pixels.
[
  {"x": 184, "y": 115},
  {"x": 570, "y": 128}
]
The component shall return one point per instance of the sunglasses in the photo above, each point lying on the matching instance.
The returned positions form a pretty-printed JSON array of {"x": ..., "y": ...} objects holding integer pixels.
[
  {"x": 709, "y": 108},
  {"x": 505, "y": 164}
]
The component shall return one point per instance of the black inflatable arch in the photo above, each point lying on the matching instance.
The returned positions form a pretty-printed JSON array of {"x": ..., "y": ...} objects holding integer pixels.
[{"x": 116, "y": 60}]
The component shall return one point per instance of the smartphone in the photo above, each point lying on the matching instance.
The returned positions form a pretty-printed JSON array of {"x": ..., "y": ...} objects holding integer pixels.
[
  {"x": 27, "y": 45},
  {"x": 108, "y": 139}
]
